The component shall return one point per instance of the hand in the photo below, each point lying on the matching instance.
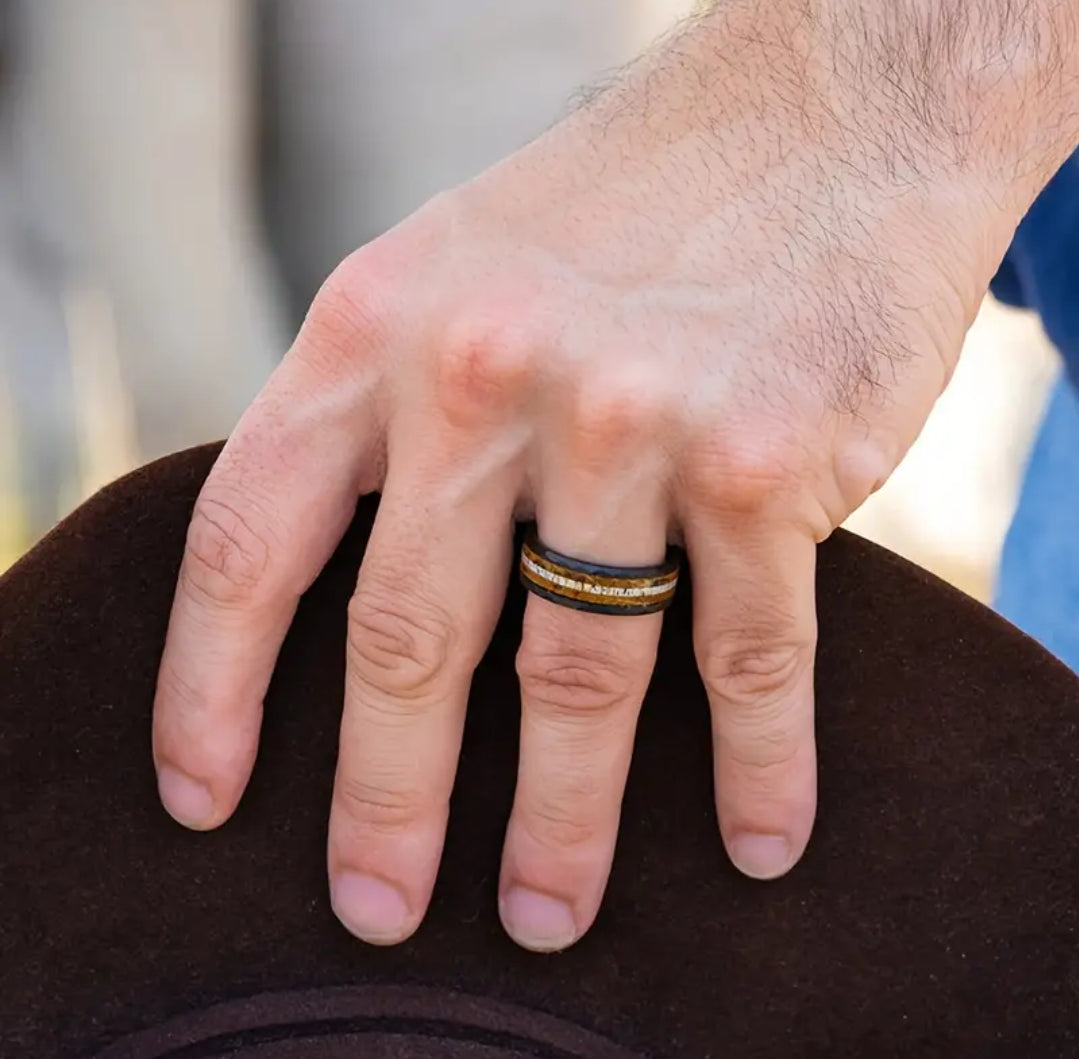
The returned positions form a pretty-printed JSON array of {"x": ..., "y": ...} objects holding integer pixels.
[{"x": 714, "y": 306}]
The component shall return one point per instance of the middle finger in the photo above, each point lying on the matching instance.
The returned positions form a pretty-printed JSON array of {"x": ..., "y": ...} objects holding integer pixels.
[{"x": 430, "y": 589}]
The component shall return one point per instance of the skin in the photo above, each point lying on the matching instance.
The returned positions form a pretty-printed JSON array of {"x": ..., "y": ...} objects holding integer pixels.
[{"x": 713, "y": 307}]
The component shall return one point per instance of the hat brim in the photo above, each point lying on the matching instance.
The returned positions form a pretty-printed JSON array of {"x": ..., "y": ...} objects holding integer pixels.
[{"x": 935, "y": 912}]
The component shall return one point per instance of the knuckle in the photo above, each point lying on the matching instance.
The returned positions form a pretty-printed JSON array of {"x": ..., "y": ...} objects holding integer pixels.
[
  {"x": 184, "y": 704},
  {"x": 573, "y": 680},
  {"x": 226, "y": 558},
  {"x": 554, "y": 828},
  {"x": 753, "y": 675},
  {"x": 861, "y": 468},
  {"x": 766, "y": 755},
  {"x": 379, "y": 808},
  {"x": 483, "y": 365},
  {"x": 350, "y": 316},
  {"x": 607, "y": 419},
  {"x": 395, "y": 645},
  {"x": 192, "y": 731},
  {"x": 745, "y": 476},
  {"x": 566, "y": 814}
]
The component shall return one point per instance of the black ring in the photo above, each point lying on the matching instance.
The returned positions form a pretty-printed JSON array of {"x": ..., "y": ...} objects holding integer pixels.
[{"x": 598, "y": 588}]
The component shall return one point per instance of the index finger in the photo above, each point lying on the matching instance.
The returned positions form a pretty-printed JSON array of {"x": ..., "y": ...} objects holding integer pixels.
[{"x": 268, "y": 517}]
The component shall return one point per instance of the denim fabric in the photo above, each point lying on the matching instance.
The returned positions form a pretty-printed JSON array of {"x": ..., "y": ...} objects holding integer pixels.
[
  {"x": 1038, "y": 583},
  {"x": 1041, "y": 270},
  {"x": 1038, "y": 586}
]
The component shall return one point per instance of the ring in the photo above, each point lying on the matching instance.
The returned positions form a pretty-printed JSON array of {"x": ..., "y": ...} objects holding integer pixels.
[{"x": 595, "y": 587}]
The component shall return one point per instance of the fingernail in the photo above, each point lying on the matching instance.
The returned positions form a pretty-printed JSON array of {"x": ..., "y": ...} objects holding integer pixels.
[
  {"x": 370, "y": 908},
  {"x": 188, "y": 801},
  {"x": 761, "y": 856},
  {"x": 537, "y": 921}
]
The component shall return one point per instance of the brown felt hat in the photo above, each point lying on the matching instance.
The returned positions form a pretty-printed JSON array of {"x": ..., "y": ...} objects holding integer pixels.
[{"x": 936, "y": 912}]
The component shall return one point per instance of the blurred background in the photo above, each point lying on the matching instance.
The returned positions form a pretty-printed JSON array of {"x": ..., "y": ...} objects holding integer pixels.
[{"x": 177, "y": 178}]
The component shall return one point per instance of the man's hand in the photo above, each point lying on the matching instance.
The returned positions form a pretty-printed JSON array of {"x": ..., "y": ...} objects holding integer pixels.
[{"x": 713, "y": 306}]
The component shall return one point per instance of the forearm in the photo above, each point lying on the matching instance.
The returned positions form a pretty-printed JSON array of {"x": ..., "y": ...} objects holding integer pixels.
[
  {"x": 978, "y": 99},
  {"x": 974, "y": 82},
  {"x": 814, "y": 123},
  {"x": 991, "y": 82}
]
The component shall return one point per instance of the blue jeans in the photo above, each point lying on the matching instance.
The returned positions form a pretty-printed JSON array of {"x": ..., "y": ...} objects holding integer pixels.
[{"x": 1038, "y": 586}]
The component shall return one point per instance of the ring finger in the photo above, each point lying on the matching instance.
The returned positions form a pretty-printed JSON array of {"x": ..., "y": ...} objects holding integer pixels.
[{"x": 583, "y": 677}]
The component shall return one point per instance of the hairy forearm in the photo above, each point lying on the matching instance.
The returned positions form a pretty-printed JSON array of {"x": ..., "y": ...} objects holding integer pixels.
[
  {"x": 1032, "y": 45},
  {"x": 977, "y": 78},
  {"x": 828, "y": 121},
  {"x": 993, "y": 81},
  {"x": 963, "y": 84}
]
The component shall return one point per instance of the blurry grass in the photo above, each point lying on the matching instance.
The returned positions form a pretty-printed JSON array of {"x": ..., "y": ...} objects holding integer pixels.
[
  {"x": 13, "y": 530},
  {"x": 104, "y": 419},
  {"x": 15, "y": 536},
  {"x": 8, "y": 552}
]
